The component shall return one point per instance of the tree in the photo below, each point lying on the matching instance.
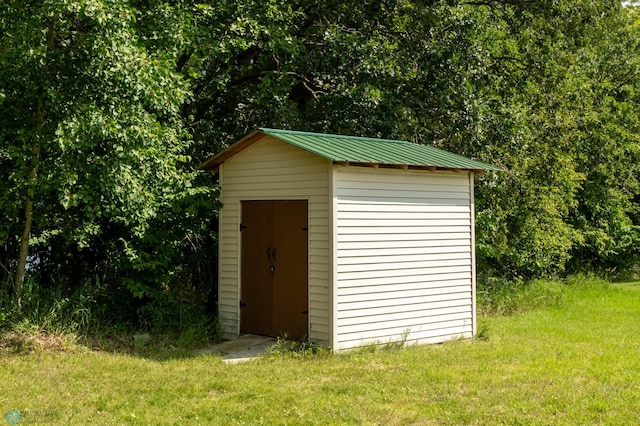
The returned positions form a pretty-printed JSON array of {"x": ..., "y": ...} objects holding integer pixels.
[
  {"x": 552, "y": 116},
  {"x": 93, "y": 148}
]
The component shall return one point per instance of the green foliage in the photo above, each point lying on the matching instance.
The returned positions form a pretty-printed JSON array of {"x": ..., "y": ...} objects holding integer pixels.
[
  {"x": 116, "y": 199},
  {"x": 556, "y": 118}
]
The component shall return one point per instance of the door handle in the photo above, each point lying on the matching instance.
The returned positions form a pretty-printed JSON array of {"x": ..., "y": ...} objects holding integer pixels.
[{"x": 274, "y": 254}]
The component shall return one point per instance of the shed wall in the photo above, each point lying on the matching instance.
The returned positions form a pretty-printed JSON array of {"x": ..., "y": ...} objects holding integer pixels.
[
  {"x": 404, "y": 256},
  {"x": 272, "y": 170}
]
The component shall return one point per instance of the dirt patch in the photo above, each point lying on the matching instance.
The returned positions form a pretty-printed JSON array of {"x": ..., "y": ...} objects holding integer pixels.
[{"x": 20, "y": 342}]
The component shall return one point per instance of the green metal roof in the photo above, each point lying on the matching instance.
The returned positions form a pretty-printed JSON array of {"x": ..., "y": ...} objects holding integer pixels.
[{"x": 358, "y": 151}]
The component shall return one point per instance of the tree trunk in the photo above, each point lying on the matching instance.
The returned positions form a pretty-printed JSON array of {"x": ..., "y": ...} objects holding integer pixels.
[
  {"x": 28, "y": 210},
  {"x": 23, "y": 253},
  {"x": 24, "y": 244}
]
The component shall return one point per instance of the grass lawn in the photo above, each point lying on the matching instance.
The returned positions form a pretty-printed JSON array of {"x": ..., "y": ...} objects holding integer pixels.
[{"x": 578, "y": 363}]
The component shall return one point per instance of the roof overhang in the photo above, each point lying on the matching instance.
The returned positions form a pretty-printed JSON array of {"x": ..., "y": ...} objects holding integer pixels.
[
  {"x": 214, "y": 162},
  {"x": 407, "y": 162}
]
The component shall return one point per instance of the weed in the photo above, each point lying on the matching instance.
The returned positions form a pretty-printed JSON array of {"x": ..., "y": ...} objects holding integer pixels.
[
  {"x": 482, "y": 333},
  {"x": 397, "y": 344},
  {"x": 296, "y": 348},
  {"x": 504, "y": 297}
]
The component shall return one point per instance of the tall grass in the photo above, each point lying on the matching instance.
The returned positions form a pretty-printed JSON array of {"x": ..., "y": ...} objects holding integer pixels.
[
  {"x": 51, "y": 314},
  {"x": 510, "y": 297}
]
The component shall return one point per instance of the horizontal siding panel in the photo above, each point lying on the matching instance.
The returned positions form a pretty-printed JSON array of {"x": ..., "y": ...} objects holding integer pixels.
[
  {"x": 462, "y": 260},
  {"x": 319, "y": 222},
  {"x": 383, "y": 245},
  {"x": 230, "y": 305},
  {"x": 318, "y": 302},
  {"x": 399, "y": 231},
  {"x": 229, "y": 226},
  {"x": 423, "y": 257},
  {"x": 405, "y": 280},
  {"x": 377, "y": 325},
  {"x": 266, "y": 158},
  {"x": 443, "y": 333},
  {"x": 420, "y": 293},
  {"x": 227, "y": 276},
  {"x": 276, "y": 173},
  {"x": 319, "y": 277},
  {"x": 320, "y": 261},
  {"x": 283, "y": 173},
  {"x": 400, "y": 274},
  {"x": 229, "y": 249},
  {"x": 350, "y": 187},
  {"x": 283, "y": 193},
  {"x": 318, "y": 335},
  {"x": 428, "y": 236},
  {"x": 228, "y": 268},
  {"x": 397, "y": 177},
  {"x": 400, "y": 194},
  {"x": 402, "y": 305},
  {"x": 318, "y": 247},
  {"x": 257, "y": 154},
  {"x": 375, "y": 208},
  {"x": 229, "y": 324},
  {"x": 319, "y": 214},
  {"x": 229, "y": 297},
  {"x": 321, "y": 318},
  {"x": 405, "y": 252},
  {"x": 300, "y": 184},
  {"x": 396, "y": 313},
  {"x": 434, "y": 286},
  {"x": 413, "y": 200},
  {"x": 395, "y": 216},
  {"x": 400, "y": 222}
]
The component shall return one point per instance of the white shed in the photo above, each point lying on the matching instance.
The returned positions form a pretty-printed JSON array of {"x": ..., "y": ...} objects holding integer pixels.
[{"x": 345, "y": 240}]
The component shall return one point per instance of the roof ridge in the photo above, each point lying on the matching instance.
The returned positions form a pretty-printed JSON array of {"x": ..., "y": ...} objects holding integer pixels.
[
  {"x": 357, "y": 150},
  {"x": 331, "y": 135}
]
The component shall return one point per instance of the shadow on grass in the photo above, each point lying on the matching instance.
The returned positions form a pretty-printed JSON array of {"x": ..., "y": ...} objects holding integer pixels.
[
  {"x": 631, "y": 285},
  {"x": 20, "y": 340}
]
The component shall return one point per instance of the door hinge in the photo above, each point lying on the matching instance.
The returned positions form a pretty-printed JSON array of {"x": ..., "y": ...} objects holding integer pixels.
[
  {"x": 305, "y": 312},
  {"x": 242, "y": 227},
  {"x": 306, "y": 228},
  {"x": 242, "y": 304}
]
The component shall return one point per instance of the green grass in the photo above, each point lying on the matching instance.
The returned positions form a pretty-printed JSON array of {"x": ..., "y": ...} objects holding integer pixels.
[{"x": 575, "y": 362}]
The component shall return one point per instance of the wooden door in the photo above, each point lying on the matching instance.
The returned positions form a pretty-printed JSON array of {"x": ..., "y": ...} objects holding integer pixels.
[
  {"x": 274, "y": 287},
  {"x": 256, "y": 291},
  {"x": 290, "y": 286}
]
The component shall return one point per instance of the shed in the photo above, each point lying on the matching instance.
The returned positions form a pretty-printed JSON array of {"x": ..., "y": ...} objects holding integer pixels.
[{"x": 345, "y": 240}]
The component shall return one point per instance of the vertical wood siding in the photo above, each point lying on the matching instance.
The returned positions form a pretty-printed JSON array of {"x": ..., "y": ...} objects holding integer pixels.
[
  {"x": 272, "y": 170},
  {"x": 404, "y": 256}
]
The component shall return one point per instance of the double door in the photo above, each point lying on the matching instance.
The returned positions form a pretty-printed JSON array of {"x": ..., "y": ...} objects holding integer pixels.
[{"x": 274, "y": 268}]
